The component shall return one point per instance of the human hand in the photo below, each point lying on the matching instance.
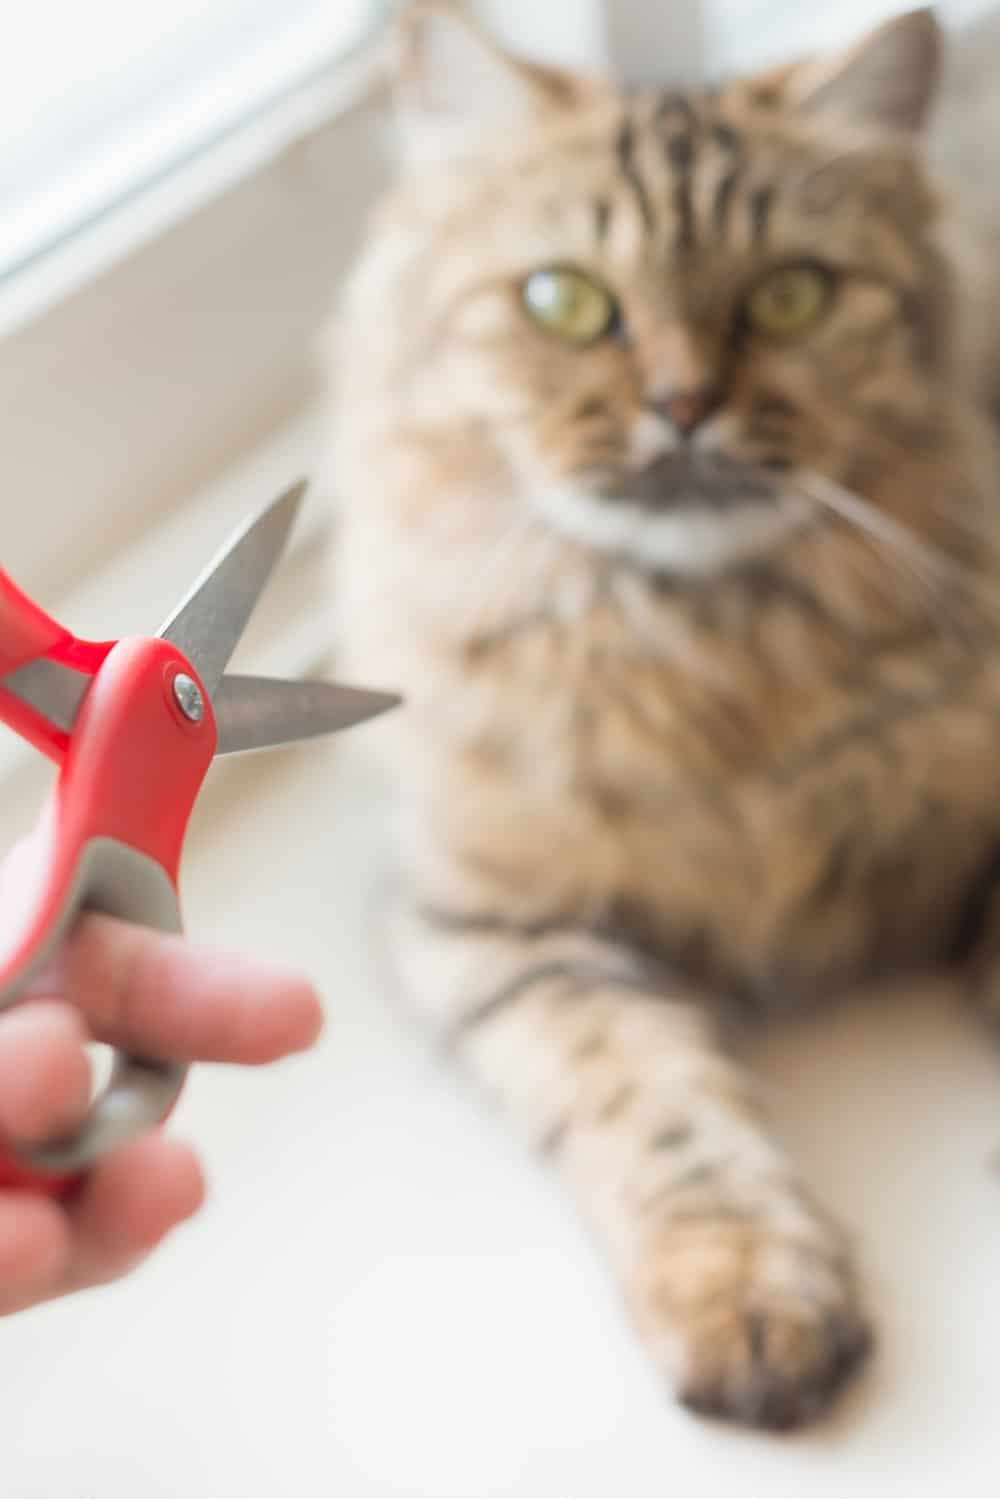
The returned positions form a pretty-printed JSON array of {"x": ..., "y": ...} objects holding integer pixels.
[{"x": 144, "y": 993}]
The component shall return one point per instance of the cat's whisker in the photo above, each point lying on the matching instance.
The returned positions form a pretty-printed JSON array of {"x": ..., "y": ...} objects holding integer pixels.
[
  {"x": 852, "y": 507},
  {"x": 940, "y": 610},
  {"x": 941, "y": 578}
]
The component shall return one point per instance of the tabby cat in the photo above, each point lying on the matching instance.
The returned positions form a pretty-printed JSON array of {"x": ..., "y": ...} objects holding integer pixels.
[{"x": 670, "y": 506}]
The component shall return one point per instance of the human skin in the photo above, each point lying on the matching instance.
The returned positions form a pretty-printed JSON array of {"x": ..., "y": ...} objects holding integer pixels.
[{"x": 146, "y": 993}]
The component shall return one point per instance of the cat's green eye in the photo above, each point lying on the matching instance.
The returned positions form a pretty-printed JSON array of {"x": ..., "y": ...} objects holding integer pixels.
[
  {"x": 788, "y": 301},
  {"x": 569, "y": 303}
]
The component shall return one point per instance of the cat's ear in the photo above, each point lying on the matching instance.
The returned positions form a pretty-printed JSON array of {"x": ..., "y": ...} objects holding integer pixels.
[
  {"x": 454, "y": 85},
  {"x": 887, "y": 80}
]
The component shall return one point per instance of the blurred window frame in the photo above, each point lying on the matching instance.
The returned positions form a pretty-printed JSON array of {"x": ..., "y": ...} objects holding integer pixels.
[{"x": 141, "y": 353}]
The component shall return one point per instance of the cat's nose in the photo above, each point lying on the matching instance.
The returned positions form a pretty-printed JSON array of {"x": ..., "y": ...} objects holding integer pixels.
[{"x": 686, "y": 410}]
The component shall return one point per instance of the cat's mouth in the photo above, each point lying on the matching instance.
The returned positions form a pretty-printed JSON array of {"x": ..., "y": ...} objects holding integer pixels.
[
  {"x": 685, "y": 513},
  {"x": 687, "y": 479}
]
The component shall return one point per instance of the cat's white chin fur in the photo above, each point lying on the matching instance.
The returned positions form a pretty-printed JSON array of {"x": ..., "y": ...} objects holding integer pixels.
[{"x": 690, "y": 539}]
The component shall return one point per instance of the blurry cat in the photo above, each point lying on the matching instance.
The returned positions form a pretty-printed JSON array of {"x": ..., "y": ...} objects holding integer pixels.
[{"x": 671, "y": 508}]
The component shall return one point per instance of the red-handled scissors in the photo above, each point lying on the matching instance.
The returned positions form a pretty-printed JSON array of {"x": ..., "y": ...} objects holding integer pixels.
[{"x": 133, "y": 726}]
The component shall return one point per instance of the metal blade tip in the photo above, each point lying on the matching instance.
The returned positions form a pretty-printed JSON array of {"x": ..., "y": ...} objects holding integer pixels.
[
  {"x": 290, "y": 500},
  {"x": 207, "y": 624},
  {"x": 380, "y": 703},
  {"x": 257, "y": 713}
]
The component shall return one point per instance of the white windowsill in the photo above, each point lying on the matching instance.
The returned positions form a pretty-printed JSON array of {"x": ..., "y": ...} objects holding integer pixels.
[
  {"x": 176, "y": 194},
  {"x": 165, "y": 367}
]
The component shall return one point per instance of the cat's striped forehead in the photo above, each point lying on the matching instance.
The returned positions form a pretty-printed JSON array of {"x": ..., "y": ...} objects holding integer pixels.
[
  {"x": 688, "y": 179},
  {"x": 690, "y": 169}
]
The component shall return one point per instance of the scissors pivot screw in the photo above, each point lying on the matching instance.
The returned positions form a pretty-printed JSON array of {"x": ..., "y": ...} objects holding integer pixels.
[{"x": 189, "y": 699}]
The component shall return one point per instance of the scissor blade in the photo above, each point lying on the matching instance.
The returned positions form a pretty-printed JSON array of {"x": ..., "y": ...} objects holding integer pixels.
[
  {"x": 54, "y": 691},
  {"x": 209, "y": 621},
  {"x": 255, "y": 713}
]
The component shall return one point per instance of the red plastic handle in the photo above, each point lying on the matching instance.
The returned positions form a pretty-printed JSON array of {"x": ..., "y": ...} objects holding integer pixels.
[
  {"x": 131, "y": 774},
  {"x": 26, "y": 632}
]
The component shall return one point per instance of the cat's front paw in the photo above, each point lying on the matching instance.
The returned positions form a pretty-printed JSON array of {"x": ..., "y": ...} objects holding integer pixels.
[{"x": 751, "y": 1325}]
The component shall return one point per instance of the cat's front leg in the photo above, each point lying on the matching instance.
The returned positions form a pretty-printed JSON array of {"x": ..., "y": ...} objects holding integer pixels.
[{"x": 740, "y": 1285}]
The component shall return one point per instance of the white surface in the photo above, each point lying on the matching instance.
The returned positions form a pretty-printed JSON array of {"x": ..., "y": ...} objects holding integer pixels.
[
  {"x": 95, "y": 100},
  {"x": 385, "y": 1297}
]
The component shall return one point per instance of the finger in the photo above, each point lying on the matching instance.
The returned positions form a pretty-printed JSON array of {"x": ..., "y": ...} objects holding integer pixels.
[
  {"x": 44, "y": 1072},
  {"x": 128, "y": 1204},
  {"x": 35, "y": 1249},
  {"x": 161, "y": 996}
]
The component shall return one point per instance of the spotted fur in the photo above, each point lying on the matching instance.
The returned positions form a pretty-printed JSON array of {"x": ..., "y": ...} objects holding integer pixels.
[{"x": 698, "y": 727}]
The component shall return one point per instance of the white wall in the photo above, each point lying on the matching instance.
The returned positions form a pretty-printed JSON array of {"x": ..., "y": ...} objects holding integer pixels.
[
  {"x": 657, "y": 40},
  {"x": 743, "y": 33}
]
